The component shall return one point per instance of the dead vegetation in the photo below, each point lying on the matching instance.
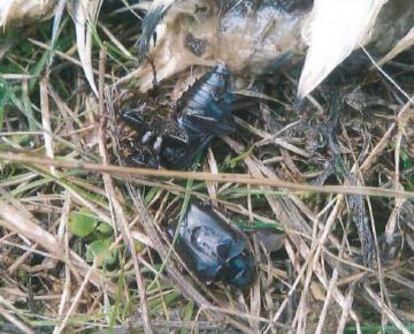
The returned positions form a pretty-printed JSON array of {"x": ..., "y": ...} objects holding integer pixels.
[{"x": 323, "y": 192}]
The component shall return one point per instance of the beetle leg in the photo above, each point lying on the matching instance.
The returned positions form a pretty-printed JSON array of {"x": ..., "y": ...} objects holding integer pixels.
[
  {"x": 158, "y": 144},
  {"x": 196, "y": 124},
  {"x": 147, "y": 137},
  {"x": 177, "y": 154},
  {"x": 133, "y": 119}
]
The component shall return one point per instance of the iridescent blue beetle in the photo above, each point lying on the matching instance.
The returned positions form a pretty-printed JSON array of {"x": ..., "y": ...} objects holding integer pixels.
[
  {"x": 202, "y": 113},
  {"x": 213, "y": 249}
]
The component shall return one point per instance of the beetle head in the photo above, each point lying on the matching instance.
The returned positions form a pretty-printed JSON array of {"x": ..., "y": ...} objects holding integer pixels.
[{"x": 239, "y": 272}]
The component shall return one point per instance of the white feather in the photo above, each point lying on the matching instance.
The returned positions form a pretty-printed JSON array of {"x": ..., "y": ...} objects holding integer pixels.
[
  {"x": 335, "y": 28},
  {"x": 162, "y": 3},
  {"x": 24, "y": 11},
  {"x": 84, "y": 14},
  {"x": 5, "y": 8}
]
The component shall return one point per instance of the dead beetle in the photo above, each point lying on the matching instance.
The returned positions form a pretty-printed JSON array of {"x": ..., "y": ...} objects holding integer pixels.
[
  {"x": 204, "y": 109},
  {"x": 202, "y": 113},
  {"x": 213, "y": 249},
  {"x": 153, "y": 149}
]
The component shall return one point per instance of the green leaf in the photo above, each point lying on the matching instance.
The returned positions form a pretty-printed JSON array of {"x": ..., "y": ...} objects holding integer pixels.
[
  {"x": 150, "y": 195},
  {"x": 82, "y": 223},
  {"x": 105, "y": 229},
  {"x": 99, "y": 249}
]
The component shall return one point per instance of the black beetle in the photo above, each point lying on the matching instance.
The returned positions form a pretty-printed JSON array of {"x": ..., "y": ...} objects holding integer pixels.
[
  {"x": 154, "y": 150},
  {"x": 202, "y": 113},
  {"x": 205, "y": 108},
  {"x": 214, "y": 250}
]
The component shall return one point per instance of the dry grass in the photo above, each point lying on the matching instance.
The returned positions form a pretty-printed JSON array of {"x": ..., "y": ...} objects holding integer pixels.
[{"x": 337, "y": 178}]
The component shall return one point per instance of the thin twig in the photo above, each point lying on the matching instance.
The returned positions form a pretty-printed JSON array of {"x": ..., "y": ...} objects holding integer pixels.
[{"x": 203, "y": 176}]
